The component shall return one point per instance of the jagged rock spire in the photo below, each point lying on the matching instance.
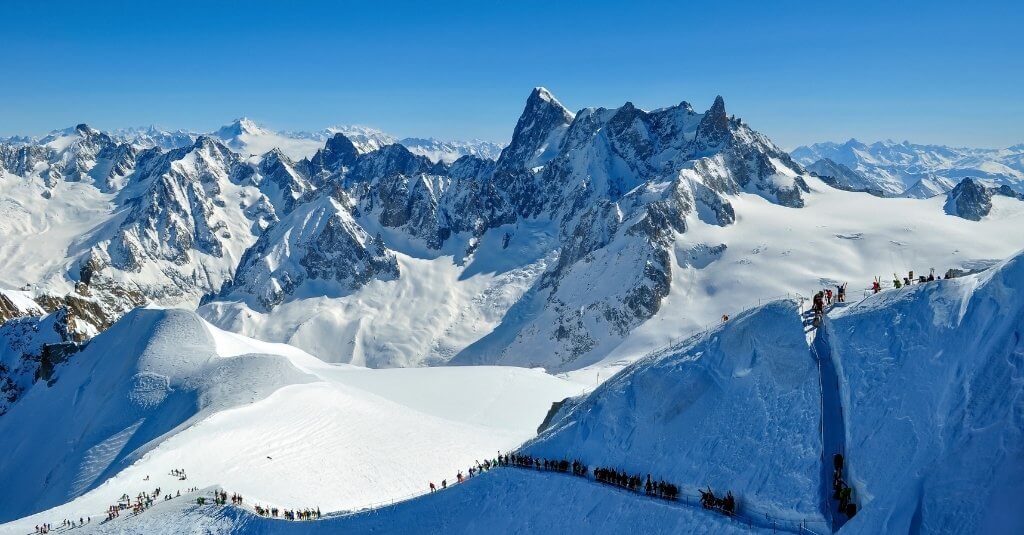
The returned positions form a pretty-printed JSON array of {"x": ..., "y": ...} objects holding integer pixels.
[
  {"x": 531, "y": 139},
  {"x": 337, "y": 152},
  {"x": 714, "y": 127}
]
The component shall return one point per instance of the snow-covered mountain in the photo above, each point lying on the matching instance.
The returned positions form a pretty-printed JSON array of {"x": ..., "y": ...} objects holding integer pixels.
[
  {"x": 594, "y": 184},
  {"x": 917, "y": 388},
  {"x": 595, "y": 236},
  {"x": 248, "y": 138},
  {"x": 151, "y": 136},
  {"x": 368, "y": 139},
  {"x": 79, "y": 154},
  {"x": 449, "y": 151},
  {"x": 919, "y": 171}
]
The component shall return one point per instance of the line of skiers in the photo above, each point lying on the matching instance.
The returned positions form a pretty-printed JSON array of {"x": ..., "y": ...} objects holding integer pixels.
[
  {"x": 726, "y": 505},
  {"x": 46, "y": 528},
  {"x": 474, "y": 470},
  {"x": 178, "y": 473},
  {"x": 841, "y": 491},
  {"x": 288, "y": 514},
  {"x": 540, "y": 463}
]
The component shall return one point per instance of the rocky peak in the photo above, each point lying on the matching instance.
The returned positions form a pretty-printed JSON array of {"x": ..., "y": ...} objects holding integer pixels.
[
  {"x": 969, "y": 199},
  {"x": 86, "y": 130},
  {"x": 338, "y": 152},
  {"x": 319, "y": 241},
  {"x": 389, "y": 161},
  {"x": 713, "y": 129},
  {"x": 538, "y": 132}
]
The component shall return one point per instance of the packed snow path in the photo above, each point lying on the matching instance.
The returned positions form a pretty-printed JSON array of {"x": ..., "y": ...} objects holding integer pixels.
[
  {"x": 833, "y": 427},
  {"x": 684, "y": 500}
]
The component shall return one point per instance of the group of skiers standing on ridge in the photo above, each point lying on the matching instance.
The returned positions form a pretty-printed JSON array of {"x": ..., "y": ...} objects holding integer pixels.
[
  {"x": 899, "y": 282},
  {"x": 659, "y": 489},
  {"x": 220, "y": 497},
  {"x": 288, "y": 514}
]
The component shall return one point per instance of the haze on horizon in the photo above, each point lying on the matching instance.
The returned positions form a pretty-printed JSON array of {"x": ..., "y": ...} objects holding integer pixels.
[{"x": 934, "y": 72}]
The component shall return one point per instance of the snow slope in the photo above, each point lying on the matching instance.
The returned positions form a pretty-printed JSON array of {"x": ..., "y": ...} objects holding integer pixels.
[
  {"x": 152, "y": 374},
  {"x": 36, "y": 231},
  {"x": 736, "y": 408},
  {"x": 163, "y": 389},
  {"x": 837, "y": 237},
  {"x": 929, "y": 393},
  {"x": 933, "y": 393}
]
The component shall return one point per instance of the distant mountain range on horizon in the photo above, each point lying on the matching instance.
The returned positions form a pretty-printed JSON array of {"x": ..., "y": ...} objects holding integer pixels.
[
  {"x": 911, "y": 170},
  {"x": 248, "y": 137}
]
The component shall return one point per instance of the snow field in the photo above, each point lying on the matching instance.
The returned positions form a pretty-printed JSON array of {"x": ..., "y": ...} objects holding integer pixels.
[{"x": 342, "y": 441}]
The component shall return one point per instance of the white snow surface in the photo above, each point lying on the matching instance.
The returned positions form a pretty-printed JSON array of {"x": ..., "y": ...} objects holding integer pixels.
[
  {"x": 930, "y": 391},
  {"x": 162, "y": 389},
  {"x": 36, "y": 233},
  {"x": 932, "y": 388},
  {"x": 736, "y": 408},
  {"x": 838, "y": 237}
]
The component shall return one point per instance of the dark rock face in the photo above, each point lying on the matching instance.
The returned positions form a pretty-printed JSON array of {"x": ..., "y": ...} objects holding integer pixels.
[
  {"x": 969, "y": 200},
  {"x": 536, "y": 133},
  {"x": 338, "y": 153},
  {"x": 320, "y": 241}
]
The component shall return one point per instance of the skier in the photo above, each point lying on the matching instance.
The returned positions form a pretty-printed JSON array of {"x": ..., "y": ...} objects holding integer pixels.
[
  {"x": 828, "y": 297},
  {"x": 841, "y": 293},
  {"x": 876, "y": 286}
]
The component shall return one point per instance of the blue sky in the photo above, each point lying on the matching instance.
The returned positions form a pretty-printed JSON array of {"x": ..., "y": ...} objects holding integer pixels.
[{"x": 933, "y": 72}]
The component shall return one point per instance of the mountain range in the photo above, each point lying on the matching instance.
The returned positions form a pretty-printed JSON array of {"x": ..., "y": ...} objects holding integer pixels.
[
  {"x": 232, "y": 302},
  {"x": 247, "y": 137},
  {"x": 593, "y": 237},
  {"x": 912, "y": 170}
]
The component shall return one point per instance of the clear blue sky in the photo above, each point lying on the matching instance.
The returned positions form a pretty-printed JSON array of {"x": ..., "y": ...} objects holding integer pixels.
[{"x": 936, "y": 72}]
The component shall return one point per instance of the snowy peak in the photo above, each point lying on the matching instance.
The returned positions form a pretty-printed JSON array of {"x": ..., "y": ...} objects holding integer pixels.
[
  {"x": 537, "y": 134},
  {"x": 145, "y": 379},
  {"x": 78, "y": 154},
  {"x": 842, "y": 177},
  {"x": 239, "y": 127},
  {"x": 319, "y": 242}
]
